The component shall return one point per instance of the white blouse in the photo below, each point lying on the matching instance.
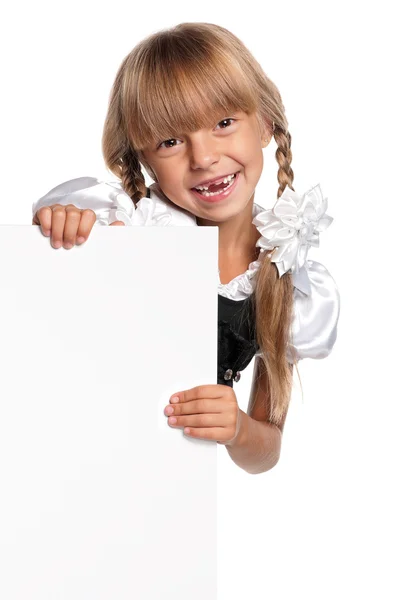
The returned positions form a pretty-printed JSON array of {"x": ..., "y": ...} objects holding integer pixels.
[{"x": 316, "y": 296}]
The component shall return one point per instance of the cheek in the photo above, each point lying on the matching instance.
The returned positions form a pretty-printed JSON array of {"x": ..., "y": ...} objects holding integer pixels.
[
  {"x": 169, "y": 174},
  {"x": 171, "y": 186},
  {"x": 257, "y": 156},
  {"x": 248, "y": 152}
]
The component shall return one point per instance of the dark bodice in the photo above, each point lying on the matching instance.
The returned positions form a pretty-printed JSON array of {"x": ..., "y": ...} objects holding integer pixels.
[{"x": 236, "y": 338}]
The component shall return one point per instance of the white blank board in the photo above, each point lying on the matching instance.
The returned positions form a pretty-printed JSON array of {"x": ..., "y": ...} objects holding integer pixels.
[{"x": 99, "y": 497}]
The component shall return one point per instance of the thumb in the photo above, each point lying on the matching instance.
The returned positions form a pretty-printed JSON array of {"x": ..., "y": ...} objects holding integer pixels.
[{"x": 116, "y": 223}]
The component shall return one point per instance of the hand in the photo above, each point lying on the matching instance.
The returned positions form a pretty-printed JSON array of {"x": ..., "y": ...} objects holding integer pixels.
[
  {"x": 67, "y": 225},
  {"x": 210, "y": 412}
]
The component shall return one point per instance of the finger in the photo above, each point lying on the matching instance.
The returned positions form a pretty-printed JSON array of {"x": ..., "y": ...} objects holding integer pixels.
[
  {"x": 88, "y": 219},
  {"x": 57, "y": 225},
  {"x": 43, "y": 218},
  {"x": 200, "y": 391},
  {"x": 216, "y": 434},
  {"x": 195, "y": 407},
  {"x": 71, "y": 226},
  {"x": 117, "y": 223},
  {"x": 212, "y": 420}
]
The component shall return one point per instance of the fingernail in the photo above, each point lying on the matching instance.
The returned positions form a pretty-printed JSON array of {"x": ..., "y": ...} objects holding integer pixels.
[
  {"x": 80, "y": 240},
  {"x": 46, "y": 232},
  {"x": 174, "y": 399},
  {"x": 57, "y": 244}
]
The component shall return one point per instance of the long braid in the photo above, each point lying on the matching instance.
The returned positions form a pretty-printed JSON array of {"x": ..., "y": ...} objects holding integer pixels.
[
  {"x": 273, "y": 299},
  {"x": 133, "y": 180},
  {"x": 283, "y": 156}
]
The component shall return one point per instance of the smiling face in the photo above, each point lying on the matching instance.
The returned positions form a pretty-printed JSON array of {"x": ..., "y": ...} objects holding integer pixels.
[{"x": 232, "y": 145}]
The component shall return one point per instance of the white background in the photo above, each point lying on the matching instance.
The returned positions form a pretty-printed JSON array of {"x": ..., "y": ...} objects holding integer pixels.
[{"x": 322, "y": 523}]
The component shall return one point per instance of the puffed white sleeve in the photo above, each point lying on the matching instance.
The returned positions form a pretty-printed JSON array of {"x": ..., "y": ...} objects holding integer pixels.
[
  {"x": 316, "y": 311},
  {"x": 107, "y": 199}
]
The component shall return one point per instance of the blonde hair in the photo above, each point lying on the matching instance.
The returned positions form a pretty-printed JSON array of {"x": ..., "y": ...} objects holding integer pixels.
[{"x": 179, "y": 80}]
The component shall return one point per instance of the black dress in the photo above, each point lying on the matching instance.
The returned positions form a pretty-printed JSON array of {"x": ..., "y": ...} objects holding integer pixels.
[{"x": 237, "y": 343}]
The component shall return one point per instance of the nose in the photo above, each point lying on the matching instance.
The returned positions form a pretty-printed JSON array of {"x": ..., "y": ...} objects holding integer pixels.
[{"x": 203, "y": 152}]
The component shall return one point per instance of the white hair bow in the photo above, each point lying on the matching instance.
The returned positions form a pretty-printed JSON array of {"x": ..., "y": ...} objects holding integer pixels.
[{"x": 292, "y": 226}]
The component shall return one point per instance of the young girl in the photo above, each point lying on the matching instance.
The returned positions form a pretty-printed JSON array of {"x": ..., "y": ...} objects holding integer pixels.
[{"x": 194, "y": 107}]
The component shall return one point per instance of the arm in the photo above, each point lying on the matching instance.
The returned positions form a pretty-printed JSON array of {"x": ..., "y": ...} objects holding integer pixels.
[{"x": 257, "y": 447}]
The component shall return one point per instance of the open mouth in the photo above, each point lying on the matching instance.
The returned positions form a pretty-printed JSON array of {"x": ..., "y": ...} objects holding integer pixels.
[{"x": 215, "y": 189}]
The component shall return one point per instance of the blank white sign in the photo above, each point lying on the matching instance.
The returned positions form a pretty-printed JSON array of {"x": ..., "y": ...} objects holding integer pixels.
[{"x": 100, "y": 498}]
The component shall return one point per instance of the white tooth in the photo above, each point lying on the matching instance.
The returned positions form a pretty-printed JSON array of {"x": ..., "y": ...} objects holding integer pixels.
[
  {"x": 207, "y": 194},
  {"x": 225, "y": 180}
]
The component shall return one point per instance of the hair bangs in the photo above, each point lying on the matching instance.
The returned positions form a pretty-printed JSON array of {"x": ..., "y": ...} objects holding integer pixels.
[{"x": 182, "y": 93}]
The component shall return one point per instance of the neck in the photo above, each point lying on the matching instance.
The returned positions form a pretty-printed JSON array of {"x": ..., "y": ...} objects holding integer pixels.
[{"x": 237, "y": 235}]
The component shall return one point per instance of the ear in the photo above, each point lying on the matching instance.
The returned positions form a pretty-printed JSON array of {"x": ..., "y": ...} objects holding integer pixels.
[
  {"x": 266, "y": 132},
  {"x": 265, "y": 129}
]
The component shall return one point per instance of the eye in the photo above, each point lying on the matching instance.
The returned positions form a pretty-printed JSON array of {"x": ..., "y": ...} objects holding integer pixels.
[
  {"x": 166, "y": 142},
  {"x": 224, "y": 121}
]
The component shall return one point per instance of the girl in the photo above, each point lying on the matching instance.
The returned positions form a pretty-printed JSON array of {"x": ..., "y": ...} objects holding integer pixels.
[{"x": 194, "y": 107}]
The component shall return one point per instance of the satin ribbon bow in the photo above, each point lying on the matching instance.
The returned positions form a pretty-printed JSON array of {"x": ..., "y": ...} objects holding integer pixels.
[{"x": 292, "y": 226}]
